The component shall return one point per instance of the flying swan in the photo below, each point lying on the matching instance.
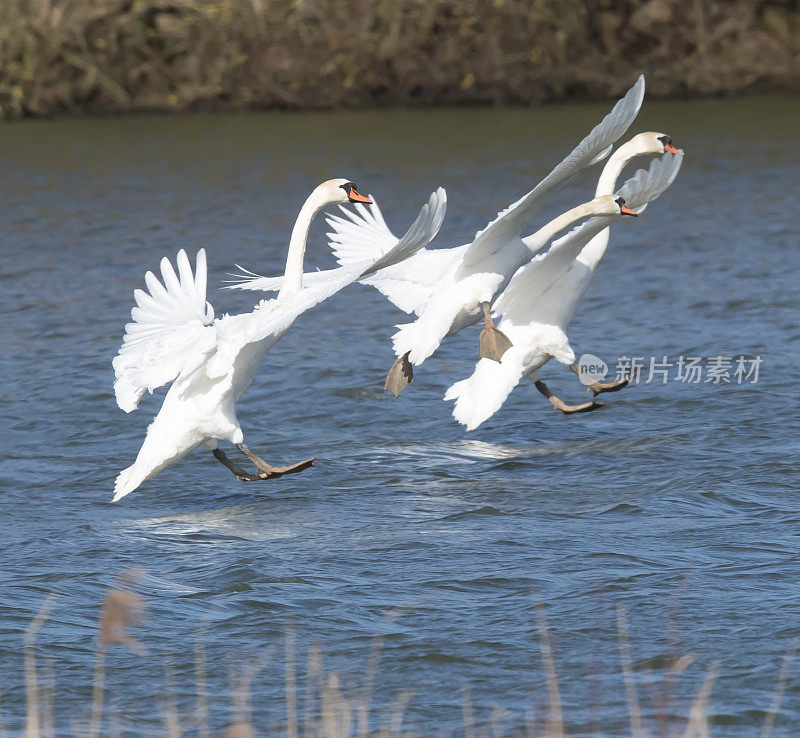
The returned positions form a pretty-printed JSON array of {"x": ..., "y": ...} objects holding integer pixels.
[
  {"x": 541, "y": 299},
  {"x": 450, "y": 289},
  {"x": 174, "y": 337}
]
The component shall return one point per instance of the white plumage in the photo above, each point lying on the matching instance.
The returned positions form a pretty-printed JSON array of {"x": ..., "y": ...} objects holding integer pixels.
[
  {"x": 364, "y": 238},
  {"x": 540, "y": 300},
  {"x": 168, "y": 331},
  {"x": 174, "y": 337},
  {"x": 445, "y": 287}
]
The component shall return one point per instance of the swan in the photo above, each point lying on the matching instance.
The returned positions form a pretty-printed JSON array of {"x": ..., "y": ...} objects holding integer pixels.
[
  {"x": 540, "y": 300},
  {"x": 174, "y": 337},
  {"x": 449, "y": 289}
]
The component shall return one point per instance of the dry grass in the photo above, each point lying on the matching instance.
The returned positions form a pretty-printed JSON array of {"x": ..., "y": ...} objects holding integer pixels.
[
  {"x": 331, "y": 710},
  {"x": 98, "y": 56}
]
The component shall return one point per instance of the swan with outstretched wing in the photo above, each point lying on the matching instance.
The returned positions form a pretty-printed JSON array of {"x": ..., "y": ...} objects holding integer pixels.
[
  {"x": 210, "y": 361},
  {"x": 450, "y": 289},
  {"x": 540, "y": 301},
  {"x": 363, "y": 236}
]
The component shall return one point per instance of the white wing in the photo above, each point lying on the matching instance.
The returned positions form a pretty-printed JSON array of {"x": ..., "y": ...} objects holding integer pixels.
[
  {"x": 647, "y": 185},
  {"x": 597, "y": 145},
  {"x": 421, "y": 232},
  {"x": 245, "y": 280},
  {"x": 171, "y": 330},
  {"x": 273, "y": 317},
  {"x": 364, "y": 241},
  {"x": 518, "y": 301},
  {"x": 409, "y": 285},
  {"x": 359, "y": 234}
]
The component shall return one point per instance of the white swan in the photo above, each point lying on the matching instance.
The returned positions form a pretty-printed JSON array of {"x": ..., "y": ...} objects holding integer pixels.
[
  {"x": 210, "y": 362},
  {"x": 449, "y": 289},
  {"x": 541, "y": 299}
]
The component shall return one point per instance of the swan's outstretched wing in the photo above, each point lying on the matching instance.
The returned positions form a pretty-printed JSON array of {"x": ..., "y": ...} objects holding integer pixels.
[
  {"x": 408, "y": 285},
  {"x": 407, "y": 282},
  {"x": 649, "y": 184},
  {"x": 273, "y": 317},
  {"x": 596, "y": 146},
  {"x": 519, "y": 300},
  {"x": 360, "y": 234},
  {"x": 171, "y": 330},
  {"x": 362, "y": 237},
  {"x": 246, "y": 280},
  {"x": 421, "y": 232}
]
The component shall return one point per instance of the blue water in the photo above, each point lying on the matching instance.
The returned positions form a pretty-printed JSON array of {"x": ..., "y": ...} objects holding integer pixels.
[{"x": 676, "y": 502}]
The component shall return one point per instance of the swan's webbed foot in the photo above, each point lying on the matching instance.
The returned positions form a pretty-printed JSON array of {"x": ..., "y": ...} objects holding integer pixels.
[
  {"x": 492, "y": 342},
  {"x": 241, "y": 474},
  {"x": 561, "y": 406},
  {"x": 596, "y": 388},
  {"x": 267, "y": 471},
  {"x": 400, "y": 375}
]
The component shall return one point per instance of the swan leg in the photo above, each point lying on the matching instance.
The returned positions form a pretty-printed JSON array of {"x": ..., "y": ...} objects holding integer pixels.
[
  {"x": 241, "y": 474},
  {"x": 597, "y": 387},
  {"x": 400, "y": 375},
  {"x": 585, "y": 407},
  {"x": 492, "y": 342},
  {"x": 267, "y": 471}
]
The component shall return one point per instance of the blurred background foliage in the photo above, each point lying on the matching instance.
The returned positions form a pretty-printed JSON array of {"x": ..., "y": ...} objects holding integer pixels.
[{"x": 99, "y": 56}]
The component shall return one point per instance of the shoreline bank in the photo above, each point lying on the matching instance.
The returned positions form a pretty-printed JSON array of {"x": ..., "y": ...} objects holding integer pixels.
[{"x": 72, "y": 57}]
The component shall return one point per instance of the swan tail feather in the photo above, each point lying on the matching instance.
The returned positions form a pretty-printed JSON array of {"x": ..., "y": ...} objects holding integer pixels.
[
  {"x": 483, "y": 393},
  {"x": 417, "y": 340},
  {"x": 127, "y": 481},
  {"x": 162, "y": 447}
]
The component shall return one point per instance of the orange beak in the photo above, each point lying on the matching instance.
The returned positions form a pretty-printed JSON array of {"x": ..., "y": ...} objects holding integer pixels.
[
  {"x": 669, "y": 147},
  {"x": 625, "y": 210},
  {"x": 356, "y": 197}
]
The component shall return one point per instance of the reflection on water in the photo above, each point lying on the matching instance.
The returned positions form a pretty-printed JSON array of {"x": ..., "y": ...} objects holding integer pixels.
[
  {"x": 676, "y": 501},
  {"x": 249, "y": 522}
]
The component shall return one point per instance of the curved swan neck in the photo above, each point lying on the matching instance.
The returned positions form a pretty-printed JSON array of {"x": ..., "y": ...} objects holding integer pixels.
[
  {"x": 293, "y": 274},
  {"x": 547, "y": 232},
  {"x": 607, "y": 184}
]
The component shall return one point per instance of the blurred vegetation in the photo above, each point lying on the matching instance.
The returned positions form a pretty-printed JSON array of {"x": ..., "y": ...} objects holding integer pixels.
[
  {"x": 320, "y": 702},
  {"x": 99, "y": 56}
]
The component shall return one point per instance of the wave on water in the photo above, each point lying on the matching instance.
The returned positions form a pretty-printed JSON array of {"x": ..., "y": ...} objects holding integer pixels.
[{"x": 252, "y": 522}]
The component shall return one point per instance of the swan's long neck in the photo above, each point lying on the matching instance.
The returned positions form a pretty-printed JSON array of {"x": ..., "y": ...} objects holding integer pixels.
[
  {"x": 593, "y": 252},
  {"x": 548, "y": 232},
  {"x": 607, "y": 184},
  {"x": 293, "y": 274}
]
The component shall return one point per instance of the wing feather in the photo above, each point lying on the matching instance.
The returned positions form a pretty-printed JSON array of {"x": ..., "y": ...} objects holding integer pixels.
[
  {"x": 419, "y": 234},
  {"x": 360, "y": 234},
  {"x": 362, "y": 241},
  {"x": 273, "y": 317},
  {"x": 171, "y": 330},
  {"x": 518, "y": 301},
  {"x": 597, "y": 144}
]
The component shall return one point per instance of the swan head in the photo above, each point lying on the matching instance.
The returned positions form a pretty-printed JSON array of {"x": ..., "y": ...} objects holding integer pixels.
[
  {"x": 651, "y": 142},
  {"x": 340, "y": 190},
  {"x": 623, "y": 209},
  {"x": 610, "y": 205}
]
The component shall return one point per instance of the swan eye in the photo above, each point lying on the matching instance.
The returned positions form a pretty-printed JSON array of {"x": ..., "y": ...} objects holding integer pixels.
[
  {"x": 347, "y": 187},
  {"x": 666, "y": 142},
  {"x": 620, "y": 201}
]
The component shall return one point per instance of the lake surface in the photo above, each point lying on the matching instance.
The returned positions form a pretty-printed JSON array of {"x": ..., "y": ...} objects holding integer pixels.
[{"x": 676, "y": 502}]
